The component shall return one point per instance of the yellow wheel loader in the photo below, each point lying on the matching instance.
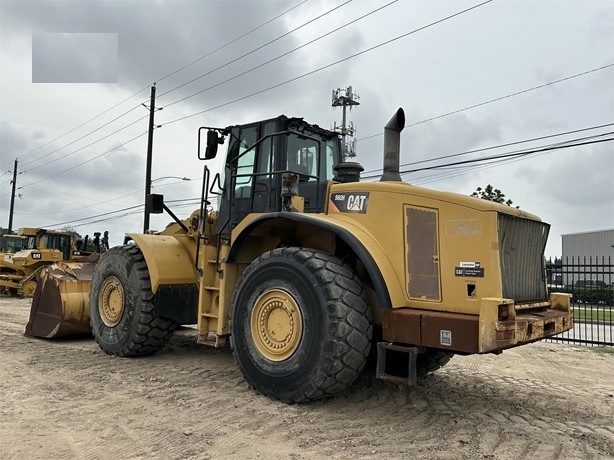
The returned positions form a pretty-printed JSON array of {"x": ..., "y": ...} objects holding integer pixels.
[{"x": 307, "y": 271}]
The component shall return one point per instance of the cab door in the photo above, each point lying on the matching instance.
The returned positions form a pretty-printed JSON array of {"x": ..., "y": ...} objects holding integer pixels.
[{"x": 250, "y": 184}]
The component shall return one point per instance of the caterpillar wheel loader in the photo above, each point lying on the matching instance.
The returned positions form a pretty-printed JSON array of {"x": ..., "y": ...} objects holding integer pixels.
[
  {"x": 38, "y": 249},
  {"x": 306, "y": 270}
]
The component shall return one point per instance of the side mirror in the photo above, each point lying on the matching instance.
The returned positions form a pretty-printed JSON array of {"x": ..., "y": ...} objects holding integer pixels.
[
  {"x": 215, "y": 137},
  {"x": 155, "y": 203},
  {"x": 213, "y": 140}
]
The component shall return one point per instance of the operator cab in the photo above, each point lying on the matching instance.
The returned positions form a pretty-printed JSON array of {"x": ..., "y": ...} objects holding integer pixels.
[
  {"x": 270, "y": 160},
  {"x": 43, "y": 239}
]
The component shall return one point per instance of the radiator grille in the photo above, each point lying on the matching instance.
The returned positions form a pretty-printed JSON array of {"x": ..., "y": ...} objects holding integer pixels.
[
  {"x": 522, "y": 243},
  {"x": 422, "y": 254}
]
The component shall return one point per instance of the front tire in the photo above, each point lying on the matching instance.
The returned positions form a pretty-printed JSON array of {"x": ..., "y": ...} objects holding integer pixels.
[
  {"x": 121, "y": 305},
  {"x": 301, "y": 326}
]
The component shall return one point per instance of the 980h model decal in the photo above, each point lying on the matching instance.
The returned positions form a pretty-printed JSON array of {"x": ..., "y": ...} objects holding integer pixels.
[{"x": 355, "y": 202}]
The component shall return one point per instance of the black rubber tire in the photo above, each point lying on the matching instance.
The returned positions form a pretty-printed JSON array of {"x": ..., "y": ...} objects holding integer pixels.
[
  {"x": 336, "y": 322},
  {"x": 139, "y": 332},
  {"x": 430, "y": 361}
]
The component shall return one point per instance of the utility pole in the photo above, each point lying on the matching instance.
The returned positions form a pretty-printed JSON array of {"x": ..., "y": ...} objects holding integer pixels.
[
  {"x": 346, "y": 98},
  {"x": 13, "y": 197},
  {"x": 152, "y": 109}
]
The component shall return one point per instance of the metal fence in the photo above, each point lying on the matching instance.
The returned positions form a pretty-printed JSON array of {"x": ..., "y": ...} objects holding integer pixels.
[{"x": 591, "y": 282}]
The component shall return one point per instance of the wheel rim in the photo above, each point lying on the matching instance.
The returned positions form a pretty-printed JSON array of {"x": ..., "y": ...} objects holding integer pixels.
[
  {"x": 28, "y": 288},
  {"x": 111, "y": 301},
  {"x": 276, "y": 325}
]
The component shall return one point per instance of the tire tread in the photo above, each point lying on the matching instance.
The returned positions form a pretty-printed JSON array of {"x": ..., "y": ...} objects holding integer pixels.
[
  {"x": 346, "y": 354},
  {"x": 151, "y": 333}
]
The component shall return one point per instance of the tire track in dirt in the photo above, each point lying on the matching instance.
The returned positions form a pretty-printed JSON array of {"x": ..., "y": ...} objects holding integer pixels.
[
  {"x": 190, "y": 401},
  {"x": 64, "y": 392}
]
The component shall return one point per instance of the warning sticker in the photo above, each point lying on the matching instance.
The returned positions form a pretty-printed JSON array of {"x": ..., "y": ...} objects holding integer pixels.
[{"x": 470, "y": 264}]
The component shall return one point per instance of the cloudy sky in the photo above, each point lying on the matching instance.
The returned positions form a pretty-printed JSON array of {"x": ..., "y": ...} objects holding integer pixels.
[{"x": 74, "y": 76}]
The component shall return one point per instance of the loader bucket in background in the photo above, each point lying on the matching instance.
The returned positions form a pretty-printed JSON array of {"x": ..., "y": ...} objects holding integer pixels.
[{"x": 61, "y": 303}]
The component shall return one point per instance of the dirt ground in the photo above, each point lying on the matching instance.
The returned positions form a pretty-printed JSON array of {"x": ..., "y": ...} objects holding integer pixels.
[{"x": 65, "y": 399}]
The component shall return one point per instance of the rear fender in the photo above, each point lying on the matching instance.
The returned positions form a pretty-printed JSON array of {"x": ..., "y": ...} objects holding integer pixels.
[
  {"x": 168, "y": 260},
  {"x": 388, "y": 288}
]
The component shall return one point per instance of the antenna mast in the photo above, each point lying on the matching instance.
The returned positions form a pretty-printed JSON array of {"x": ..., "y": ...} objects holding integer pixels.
[{"x": 346, "y": 98}]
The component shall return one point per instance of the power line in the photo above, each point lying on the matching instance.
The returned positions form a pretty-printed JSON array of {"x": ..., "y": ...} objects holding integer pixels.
[
  {"x": 230, "y": 42},
  {"x": 281, "y": 55},
  {"x": 309, "y": 73},
  {"x": 84, "y": 136},
  {"x": 550, "y": 147},
  {"x": 82, "y": 124},
  {"x": 88, "y": 145},
  {"x": 498, "y": 99},
  {"x": 508, "y": 155},
  {"x": 69, "y": 222},
  {"x": 89, "y": 160},
  {"x": 135, "y": 208},
  {"x": 89, "y": 206},
  {"x": 470, "y": 169},
  {"x": 331, "y": 64},
  {"x": 146, "y": 87},
  {"x": 508, "y": 144},
  {"x": 256, "y": 49},
  {"x": 547, "y": 148},
  {"x": 129, "y": 213},
  {"x": 560, "y": 145}
]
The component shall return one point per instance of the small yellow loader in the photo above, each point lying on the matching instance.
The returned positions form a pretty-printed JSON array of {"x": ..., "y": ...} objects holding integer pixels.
[{"x": 306, "y": 270}]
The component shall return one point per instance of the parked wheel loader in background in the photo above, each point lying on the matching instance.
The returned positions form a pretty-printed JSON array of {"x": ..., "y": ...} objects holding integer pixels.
[
  {"x": 37, "y": 249},
  {"x": 306, "y": 270}
]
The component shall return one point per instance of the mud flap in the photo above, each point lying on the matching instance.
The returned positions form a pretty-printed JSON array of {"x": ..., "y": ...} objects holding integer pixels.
[{"x": 60, "y": 306}]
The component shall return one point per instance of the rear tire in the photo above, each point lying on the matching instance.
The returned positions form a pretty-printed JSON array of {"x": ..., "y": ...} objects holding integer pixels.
[
  {"x": 301, "y": 326},
  {"x": 431, "y": 360},
  {"x": 121, "y": 305}
]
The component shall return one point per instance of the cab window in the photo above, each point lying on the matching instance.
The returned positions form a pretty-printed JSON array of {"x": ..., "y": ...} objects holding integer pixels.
[
  {"x": 302, "y": 157},
  {"x": 238, "y": 151}
]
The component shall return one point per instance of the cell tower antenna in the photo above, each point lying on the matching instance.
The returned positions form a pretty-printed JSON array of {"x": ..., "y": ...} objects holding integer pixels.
[{"x": 346, "y": 97}]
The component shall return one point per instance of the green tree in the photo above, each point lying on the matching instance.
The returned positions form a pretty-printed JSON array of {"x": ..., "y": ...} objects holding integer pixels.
[
  {"x": 492, "y": 194},
  {"x": 74, "y": 234}
]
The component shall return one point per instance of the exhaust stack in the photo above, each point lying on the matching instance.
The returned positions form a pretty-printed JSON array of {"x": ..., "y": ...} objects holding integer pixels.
[{"x": 392, "y": 144}]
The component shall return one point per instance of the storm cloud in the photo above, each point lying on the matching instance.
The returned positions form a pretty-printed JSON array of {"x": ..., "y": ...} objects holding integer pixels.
[{"x": 225, "y": 47}]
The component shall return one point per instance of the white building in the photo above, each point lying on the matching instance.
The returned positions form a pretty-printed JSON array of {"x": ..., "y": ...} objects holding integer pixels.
[
  {"x": 589, "y": 256},
  {"x": 598, "y": 244}
]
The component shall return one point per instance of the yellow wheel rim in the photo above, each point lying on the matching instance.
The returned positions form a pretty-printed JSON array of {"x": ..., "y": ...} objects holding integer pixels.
[
  {"x": 28, "y": 288},
  {"x": 276, "y": 325},
  {"x": 111, "y": 301}
]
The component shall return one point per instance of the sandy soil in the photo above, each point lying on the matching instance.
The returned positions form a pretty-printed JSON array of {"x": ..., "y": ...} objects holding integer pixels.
[{"x": 66, "y": 399}]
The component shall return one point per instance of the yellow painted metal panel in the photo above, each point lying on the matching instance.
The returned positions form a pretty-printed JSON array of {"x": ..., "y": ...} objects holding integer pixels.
[{"x": 168, "y": 260}]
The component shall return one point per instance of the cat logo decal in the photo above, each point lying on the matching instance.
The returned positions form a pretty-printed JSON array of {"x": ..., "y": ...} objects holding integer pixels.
[{"x": 353, "y": 202}]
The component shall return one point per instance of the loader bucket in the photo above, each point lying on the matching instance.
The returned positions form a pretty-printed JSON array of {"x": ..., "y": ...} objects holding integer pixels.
[{"x": 61, "y": 303}]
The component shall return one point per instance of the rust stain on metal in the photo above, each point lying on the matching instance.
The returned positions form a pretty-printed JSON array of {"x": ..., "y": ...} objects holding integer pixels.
[{"x": 60, "y": 306}]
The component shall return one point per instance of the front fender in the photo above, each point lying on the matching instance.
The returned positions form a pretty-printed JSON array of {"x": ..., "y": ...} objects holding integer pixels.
[
  {"x": 168, "y": 260},
  {"x": 386, "y": 283}
]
